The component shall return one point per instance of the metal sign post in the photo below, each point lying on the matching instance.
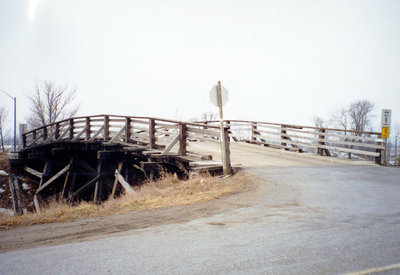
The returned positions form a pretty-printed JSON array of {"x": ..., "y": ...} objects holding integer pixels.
[
  {"x": 385, "y": 124},
  {"x": 219, "y": 96}
]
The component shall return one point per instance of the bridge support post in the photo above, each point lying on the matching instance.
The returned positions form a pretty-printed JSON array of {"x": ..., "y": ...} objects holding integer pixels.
[{"x": 99, "y": 183}]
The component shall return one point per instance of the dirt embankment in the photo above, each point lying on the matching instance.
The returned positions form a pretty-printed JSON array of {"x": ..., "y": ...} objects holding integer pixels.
[{"x": 129, "y": 217}]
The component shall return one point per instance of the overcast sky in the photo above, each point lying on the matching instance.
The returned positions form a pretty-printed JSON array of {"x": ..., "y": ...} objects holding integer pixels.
[{"x": 281, "y": 61}]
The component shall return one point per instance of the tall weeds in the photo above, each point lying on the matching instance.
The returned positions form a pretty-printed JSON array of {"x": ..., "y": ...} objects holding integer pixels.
[{"x": 167, "y": 191}]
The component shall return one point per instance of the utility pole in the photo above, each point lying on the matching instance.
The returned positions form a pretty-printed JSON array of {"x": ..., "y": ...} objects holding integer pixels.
[{"x": 15, "y": 118}]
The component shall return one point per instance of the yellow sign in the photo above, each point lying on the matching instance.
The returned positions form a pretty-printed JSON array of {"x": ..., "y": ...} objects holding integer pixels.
[{"x": 385, "y": 132}]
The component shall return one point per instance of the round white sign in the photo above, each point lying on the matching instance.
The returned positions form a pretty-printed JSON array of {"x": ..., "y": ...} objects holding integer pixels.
[{"x": 214, "y": 95}]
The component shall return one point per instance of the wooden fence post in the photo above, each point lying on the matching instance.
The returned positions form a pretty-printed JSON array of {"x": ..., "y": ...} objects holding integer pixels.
[
  {"x": 71, "y": 129},
  {"x": 23, "y": 140},
  {"x": 152, "y": 134},
  {"x": 44, "y": 132},
  {"x": 379, "y": 158},
  {"x": 57, "y": 131},
  {"x": 283, "y": 136},
  {"x": 128, "y": 128},
  {"x": 253, "y": 132},
  {"x": 106, "y": 128},
  {"x": 319, "y": 149},
  {"x": 182, "y": 139},
  {"x": 88, "y": 130}
]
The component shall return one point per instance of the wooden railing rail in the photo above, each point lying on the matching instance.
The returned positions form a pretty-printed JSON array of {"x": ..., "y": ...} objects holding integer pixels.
[
  {"x": 322, "y": 141},
  {"x": 147, "y": 131}
]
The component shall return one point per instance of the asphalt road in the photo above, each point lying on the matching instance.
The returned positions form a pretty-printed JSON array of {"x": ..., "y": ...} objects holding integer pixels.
[{"x": 329, "y": 219}]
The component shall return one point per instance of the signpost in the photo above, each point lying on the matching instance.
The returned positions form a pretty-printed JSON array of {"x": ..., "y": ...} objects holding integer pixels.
[
  {"x": 219, "y": 97},
  {"x": 385, "y": 124}
]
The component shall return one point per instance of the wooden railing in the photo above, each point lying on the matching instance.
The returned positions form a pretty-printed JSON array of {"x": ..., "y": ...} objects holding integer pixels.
[
  {"x": 146, "y": 131},
  {"x": 321, "y": 141},
  {"x": 154, "y": 132}
]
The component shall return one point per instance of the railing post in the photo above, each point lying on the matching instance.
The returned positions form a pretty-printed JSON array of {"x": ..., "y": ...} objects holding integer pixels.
[
  {"x": 378, "y": 158},
  {"x": 71, "y": 129},
  {"x": 106, "y": 128},
  {"x": 34, "y": 135},
  {"x": 23, "y": 140},
  {"x": 182, "y": 139},
  {"x": 57, "y": 131},
  {"x": 88, "y": 130},
  {"x": 44, "y": 132},
  {"x": 152, "y": 134},
  {"x": 227, "y": 163},
  {"x": 283, "y": 136},
  {"x": 320, "y": 151},
  {"x": 253, "y": 132},
  {"x": 128, "y": 129}
]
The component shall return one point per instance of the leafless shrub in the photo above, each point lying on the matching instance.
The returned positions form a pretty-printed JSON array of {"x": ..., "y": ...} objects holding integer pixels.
[
  {"x": 50, "y": 103},
  {"x": 3, "y": 116}
]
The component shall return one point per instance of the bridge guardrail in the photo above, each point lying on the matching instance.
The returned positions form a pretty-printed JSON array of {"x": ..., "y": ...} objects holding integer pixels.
[
  {"x": 328, "y": 141},
  {"x": 147, "y": 131}
]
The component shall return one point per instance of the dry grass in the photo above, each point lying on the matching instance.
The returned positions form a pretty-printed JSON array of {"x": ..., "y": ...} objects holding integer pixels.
[{"x": 168, "y": 191}]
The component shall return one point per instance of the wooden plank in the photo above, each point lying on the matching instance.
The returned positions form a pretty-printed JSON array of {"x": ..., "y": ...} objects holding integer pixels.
[
  {"x": 339, "y": 142},
  {"x": 99, "y": 183},
  {"x": 36, "y": 204},
  {"x": 128, "y": 128},
  {"x": 46, "y": 171},
  {"x": 203, "y": 132},
  {"x": 341, "y": 149},
  {"x": 152, "y": 131},
  {"x": 123, "y": 182},
  {"x": 64, "y": 133},
  {"x": 86, "y": 185},
  {"x": 33, "y": 172},
  {"x": 170, "y": 146},
  {"x": 52, "y": 179},
  {"x": 67, "y": 178},
  {"x": 71, "y": 129},
  {"x": 213, "y": 139},
  {"x": 83, "y": 131},
  {"x": 118, "y": 135},
  {"x": 168, "y": 126},
  {"x": 182, "y": 140},
  {"x": 106, "y": 128},
  {"x": 85, "y": 165},
  {"x": 119, "y": 169},
  {"x": 97, "y": 133},
  {"x": 88, "y": 128}
]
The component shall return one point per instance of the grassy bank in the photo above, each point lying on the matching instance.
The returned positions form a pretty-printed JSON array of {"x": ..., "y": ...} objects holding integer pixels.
[{"x": 168, "y": 191}]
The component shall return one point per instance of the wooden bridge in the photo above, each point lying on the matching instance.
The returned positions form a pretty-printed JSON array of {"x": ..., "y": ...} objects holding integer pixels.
[{"x": 84, "y": 158}]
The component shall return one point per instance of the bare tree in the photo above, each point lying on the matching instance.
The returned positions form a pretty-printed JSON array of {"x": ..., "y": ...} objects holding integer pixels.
[
  {"x": 208, "y": 116},
  {"x": 3, "y": 116},
  {"x": 340, "y": 119},
  {"x": 50, "y": 103},
  {"x": 319, "y": 122},
  {"x": 360, "y": 115},
  {"x": 396, "y": 141}
]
